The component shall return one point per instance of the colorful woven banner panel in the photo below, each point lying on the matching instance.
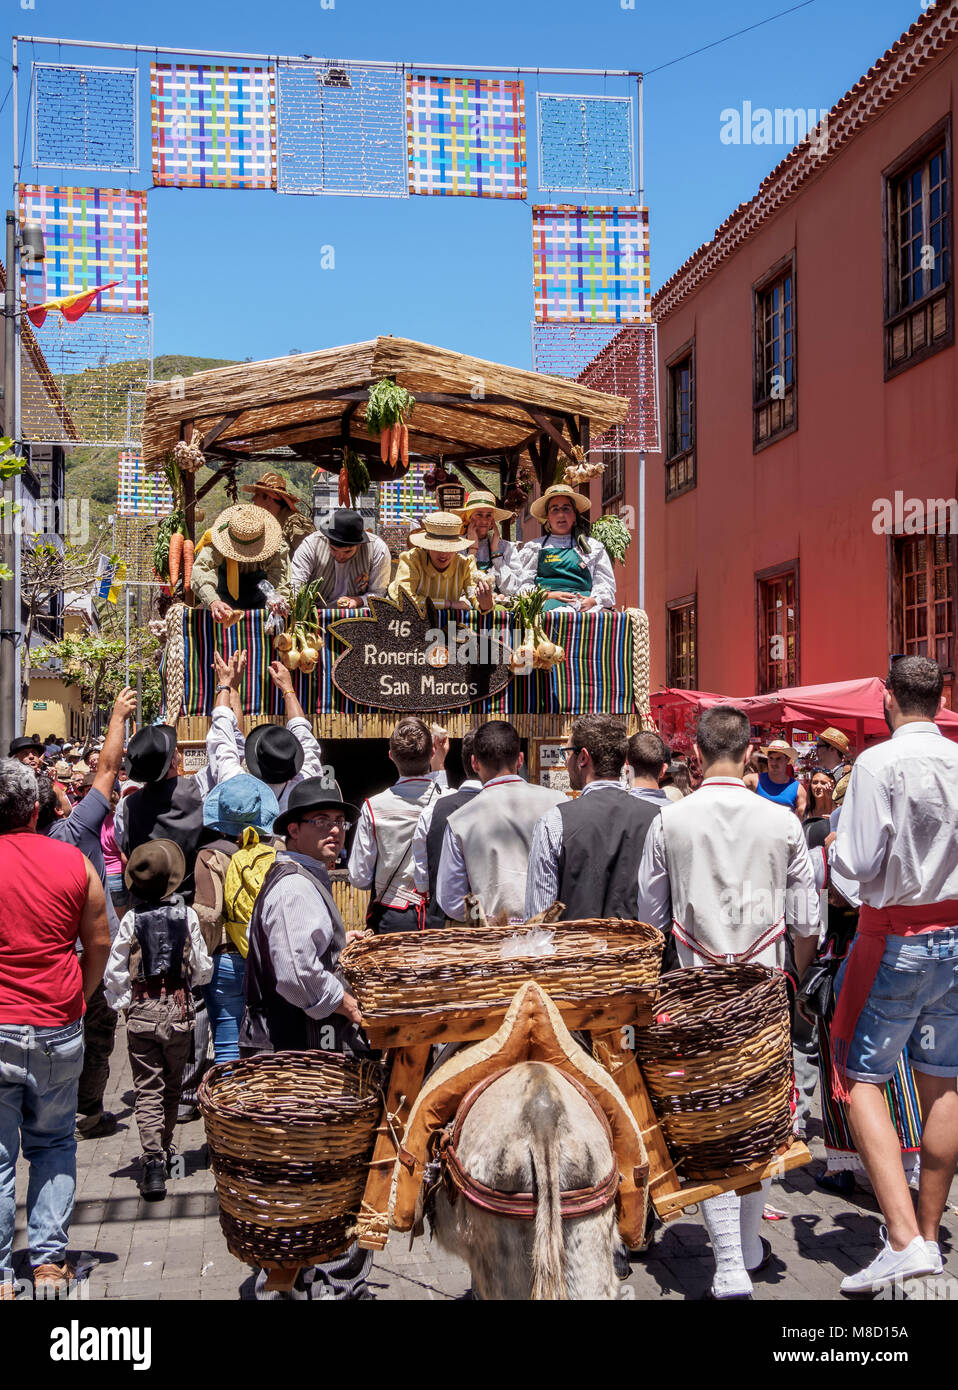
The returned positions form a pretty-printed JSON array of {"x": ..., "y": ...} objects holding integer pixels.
[
  {"x": 85, "y": 117},
  {"x": 591, "y": 265},
  {"x": 92, "y": 236},
  {"x": 585, "y": 144},
  {"x": 140, "y": 493},
  {"x": 406, "y": 501},
  {"x": 597, "y": 675},
  {"x": 466, "y": 137},
  {"x": 213, "y": 127}
]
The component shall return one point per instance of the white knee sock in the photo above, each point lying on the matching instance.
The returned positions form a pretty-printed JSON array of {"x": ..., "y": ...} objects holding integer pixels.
[
  {"x": 721, "y": 1216},
  {"x": 750, "y": 1219}
]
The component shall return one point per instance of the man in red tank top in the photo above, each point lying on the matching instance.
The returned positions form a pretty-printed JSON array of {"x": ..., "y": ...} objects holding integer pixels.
[{"x": 52, "y": 899}]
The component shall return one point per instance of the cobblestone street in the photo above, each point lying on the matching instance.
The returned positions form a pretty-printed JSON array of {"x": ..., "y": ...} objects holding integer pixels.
[{"x": 175, "y": 1249}]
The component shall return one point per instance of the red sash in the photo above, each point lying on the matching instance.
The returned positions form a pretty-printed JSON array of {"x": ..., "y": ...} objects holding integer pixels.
[{"x": 875, "y": 924}]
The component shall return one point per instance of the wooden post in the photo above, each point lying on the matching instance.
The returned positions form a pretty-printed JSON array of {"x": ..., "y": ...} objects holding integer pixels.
[
  {"x": 622, "y": 1065},
  {"x": 405, "y": 1081}
]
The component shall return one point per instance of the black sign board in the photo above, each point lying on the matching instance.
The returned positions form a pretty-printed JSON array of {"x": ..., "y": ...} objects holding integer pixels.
[
  {"x": 450, "y": 496},
  {"x": 413, "y": 659}
]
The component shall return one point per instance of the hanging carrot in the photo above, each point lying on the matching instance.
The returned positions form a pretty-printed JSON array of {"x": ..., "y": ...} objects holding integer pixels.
[
  {"x": 188, "y": 550},
  {"x": 384, "y": 443},
  {"x": 394, "y": 438},
  {"x": 177, "y": 541},
  {"x": 343, "y": 486},
  {"x": 404, "y": 444}
]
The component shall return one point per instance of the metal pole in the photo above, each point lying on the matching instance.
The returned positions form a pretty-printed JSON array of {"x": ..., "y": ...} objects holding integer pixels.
[
  {"x": 12, "y": 375},
  {"x": 9, "y": 594},
  {"x": 347, "y": 62},
  {"x": 641, "y": 192},
  {"x": 126, "y": 676},
  {"x": 139, "y": 666}
]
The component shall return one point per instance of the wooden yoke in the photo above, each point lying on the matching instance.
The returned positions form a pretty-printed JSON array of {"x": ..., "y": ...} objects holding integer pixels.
[{"x": 532, "y": 1030}]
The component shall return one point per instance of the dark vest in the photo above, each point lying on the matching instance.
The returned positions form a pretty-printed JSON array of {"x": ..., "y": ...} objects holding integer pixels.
[
  {"x": 249, "y": 594},
  {"x": 167, "y": 810},
  {"x": 271, "y": 1023},
  {"x": 435, "y": 917},
  {"x": 603, "y": 834},
  {"x": 162, "y": 943}
]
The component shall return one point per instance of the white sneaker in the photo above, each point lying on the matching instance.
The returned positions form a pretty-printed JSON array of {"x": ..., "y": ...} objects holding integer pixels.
[
  {"x": 918, "y": 1257},
  {"x": 934, "y": 1254}
]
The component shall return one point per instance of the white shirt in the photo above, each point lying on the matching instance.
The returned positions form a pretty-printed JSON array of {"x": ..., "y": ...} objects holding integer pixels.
[
  {"x": 365, "y": 573},
  {"x": 542, "y": 884},
  {"x": 420, "y": 862},
  {"x": 727, "y": 866},
  {"x": 299, "y": 930},
  {"x": 117, "y": 983},
  {"x": 452, "y": 880},
  {"x": 596, "y": 561},
  {"x": 365, "y": 851},
  {"x": 898, "y": 831},
  {"x": 226, "y": 758},
  {"x": 505, "y": 565}
]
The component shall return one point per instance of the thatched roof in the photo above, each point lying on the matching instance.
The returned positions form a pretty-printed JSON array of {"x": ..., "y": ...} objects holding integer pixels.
[{"x": 314, "y": 403}]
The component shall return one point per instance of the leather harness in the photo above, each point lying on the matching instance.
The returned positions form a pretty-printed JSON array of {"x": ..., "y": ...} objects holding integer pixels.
[{"x": 521, "y": 1206}]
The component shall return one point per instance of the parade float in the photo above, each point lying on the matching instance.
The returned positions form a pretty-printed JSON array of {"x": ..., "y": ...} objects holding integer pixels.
[{"x": 453, "y": 413}]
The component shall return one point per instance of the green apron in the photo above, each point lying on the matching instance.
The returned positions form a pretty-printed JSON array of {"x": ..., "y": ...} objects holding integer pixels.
[{"x": 562, "y": 570}]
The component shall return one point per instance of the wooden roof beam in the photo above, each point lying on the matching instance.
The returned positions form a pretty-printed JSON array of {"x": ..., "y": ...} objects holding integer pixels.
[{"x": 548, "y": 428}]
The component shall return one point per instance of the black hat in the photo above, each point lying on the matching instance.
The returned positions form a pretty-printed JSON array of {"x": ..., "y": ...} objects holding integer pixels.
[
  {"x": 312, "y": 795},
  {"x": 273, "y": 754},
  {"x": 343, "y": 528},
  {"x": 19, "y": 745},
  {"x": 150, "y": 752}
]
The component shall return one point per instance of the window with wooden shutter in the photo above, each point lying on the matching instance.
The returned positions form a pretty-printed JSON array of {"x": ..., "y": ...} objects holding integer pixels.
[
  {"x": 680, "y": 423},
  {"x": 919, "y": 299},
  {"x": 682, "y": 668},
  {"x": 777, "y": 627},
  {"x": 774, "y": 400}
]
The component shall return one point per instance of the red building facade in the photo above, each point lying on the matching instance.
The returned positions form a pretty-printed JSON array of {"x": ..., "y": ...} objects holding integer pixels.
[{"x": 800, "y": 522}]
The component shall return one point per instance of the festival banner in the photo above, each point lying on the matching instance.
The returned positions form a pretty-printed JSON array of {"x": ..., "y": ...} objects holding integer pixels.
[
  {"x": 140, "y": 493},
  {"x": 591, "y": 265},
  {"x": 213, "y": 127},
  {"x": 93, "y": 236},
  {"x": 466, "y": 137}
]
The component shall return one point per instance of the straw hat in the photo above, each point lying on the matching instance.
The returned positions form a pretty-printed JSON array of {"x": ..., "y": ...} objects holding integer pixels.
[
  {"x": 440, "y": 531},
  {"x": 778, "y": 745},
  {"x": 540, "y": 506},
  {"x": 478, "y": 501},
  {"x": 246, "y": 534},
  {"x": 835, "y": 739},
  {"x": 276, "y": 485}
]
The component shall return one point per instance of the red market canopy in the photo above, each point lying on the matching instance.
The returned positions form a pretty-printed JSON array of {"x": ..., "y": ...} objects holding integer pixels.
[{"x": 852, "y": 706}]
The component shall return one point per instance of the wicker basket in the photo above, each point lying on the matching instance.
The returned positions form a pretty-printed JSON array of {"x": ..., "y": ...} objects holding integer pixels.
[
  {"x": 427, "y": 973},
  {"x": 720, "y": 1070},
  {"x": 290, "y": 1136}
]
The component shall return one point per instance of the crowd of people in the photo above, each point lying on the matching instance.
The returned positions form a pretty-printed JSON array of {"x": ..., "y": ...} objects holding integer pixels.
[
  {"x": 258, "y": 554},
  {"x": 201, "y": 908}
]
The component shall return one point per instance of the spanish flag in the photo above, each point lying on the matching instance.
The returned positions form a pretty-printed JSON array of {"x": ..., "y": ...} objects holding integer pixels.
[{"x": 71, "y": 306}]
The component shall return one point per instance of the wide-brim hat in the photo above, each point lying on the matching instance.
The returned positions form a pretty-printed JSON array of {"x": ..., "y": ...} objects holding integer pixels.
[
  {"x": 277, "y": 486},
  {"x": 313, "y": 795},
  {"x": 20, "y": 745},
  {"x": 246, "y": 534},
  {"x": 441, "y": 531},
  {"x": 540, "y": 506},
  {"x": 150, "y": 752},
  {"x": 273, "y": 754},
  {"x": 239, "y": 802},
  {"x": 62, "y": 769},
  {"x": 835, "y": 739},
  {"x": 778, "y": 745},
  {"x": 155, "y": 869},
  {"x": 344, "y": 527},
  {"x": 481, "y": 501}
]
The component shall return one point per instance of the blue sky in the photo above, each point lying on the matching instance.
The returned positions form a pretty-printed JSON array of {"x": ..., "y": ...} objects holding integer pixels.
[{"x": 236, "y": 274}]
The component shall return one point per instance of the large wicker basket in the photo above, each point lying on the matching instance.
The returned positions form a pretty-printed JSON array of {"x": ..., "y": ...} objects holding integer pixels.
[
  {"x": 290, "y": 1137},
  {"x": 427, "y": 973},
  {"x": 719, "y": 1071}
]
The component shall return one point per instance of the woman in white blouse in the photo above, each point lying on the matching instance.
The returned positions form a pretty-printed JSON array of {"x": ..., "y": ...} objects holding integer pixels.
[
  {"x": 575, "y": 569},
  {"x": 496, "y": 559}
]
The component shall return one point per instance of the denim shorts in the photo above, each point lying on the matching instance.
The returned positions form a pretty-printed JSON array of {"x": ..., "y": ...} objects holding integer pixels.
[{"x": 913, "y": 1007}]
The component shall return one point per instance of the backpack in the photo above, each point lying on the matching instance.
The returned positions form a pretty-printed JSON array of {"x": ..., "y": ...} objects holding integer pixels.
[{"x": 244, "y": 879}]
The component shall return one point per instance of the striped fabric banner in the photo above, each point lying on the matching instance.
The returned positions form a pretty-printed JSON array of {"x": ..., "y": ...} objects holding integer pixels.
[
  {"x": 901, "y": 1098},
  {"x": 591, "y": 264},
  {"x": 213, "y": 127},
  {"x": 93, "y": 236},
  {"x": 466, "y": 136},
  {"x": 596, "y": 675}
]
